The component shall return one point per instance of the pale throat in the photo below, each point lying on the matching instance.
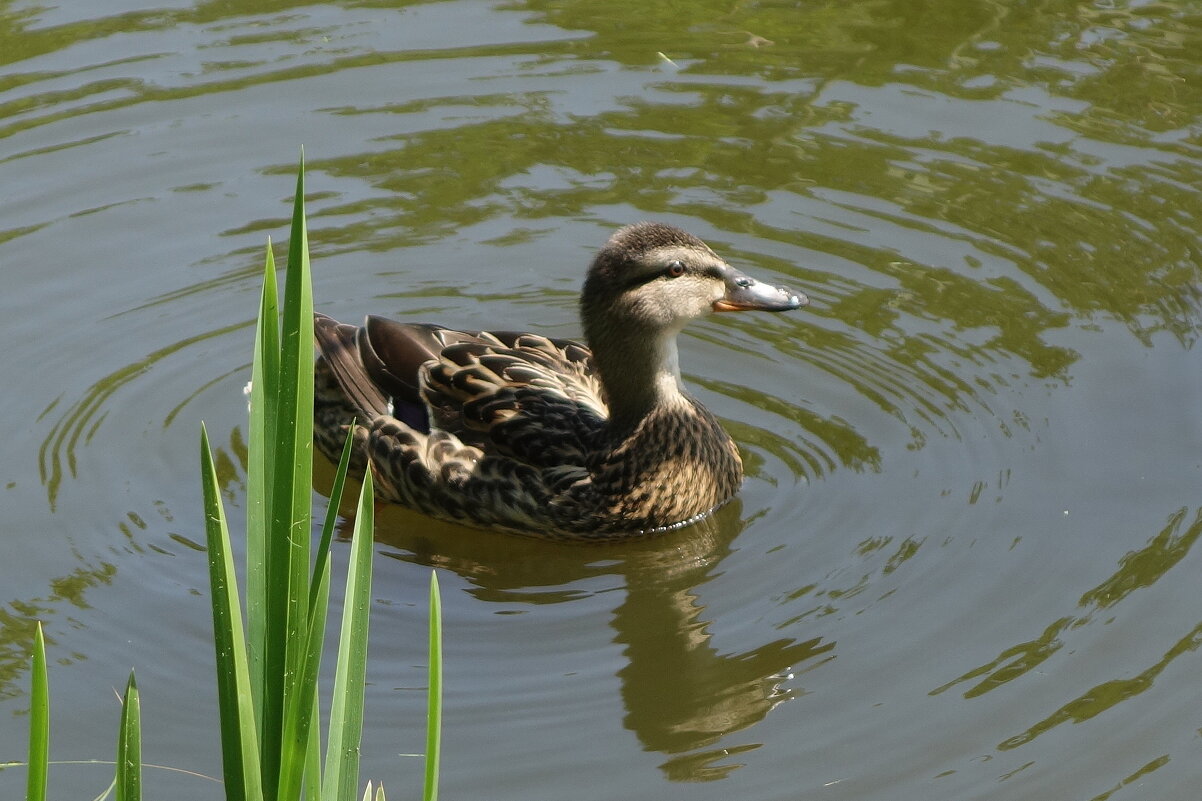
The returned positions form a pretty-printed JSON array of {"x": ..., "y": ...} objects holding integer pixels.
[
  {"x": 668, "y": 387},
  {"x": 643, "y": 378}
]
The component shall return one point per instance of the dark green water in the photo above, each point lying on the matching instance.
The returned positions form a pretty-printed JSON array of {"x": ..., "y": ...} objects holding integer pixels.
[{"x": 962, "y": 563}]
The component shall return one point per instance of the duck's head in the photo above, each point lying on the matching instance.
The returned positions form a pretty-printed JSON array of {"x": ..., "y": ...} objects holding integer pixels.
[
  {"x": 644, "y": 286},
  {"x": 654, "y": 278}
]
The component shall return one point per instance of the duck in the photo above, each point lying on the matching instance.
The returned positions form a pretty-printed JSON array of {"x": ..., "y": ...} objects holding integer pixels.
[{"x": 555, "y": 438}]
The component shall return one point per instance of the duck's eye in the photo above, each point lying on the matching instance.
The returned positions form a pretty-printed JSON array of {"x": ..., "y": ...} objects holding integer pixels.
[{"x": 675, "y": 269}]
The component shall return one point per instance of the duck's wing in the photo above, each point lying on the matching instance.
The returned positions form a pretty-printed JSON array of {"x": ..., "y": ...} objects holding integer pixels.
[
  {"x": 378, "y": 364},
  {"x": 525, "y": 396},
  {"x": 534, "y": 399}
]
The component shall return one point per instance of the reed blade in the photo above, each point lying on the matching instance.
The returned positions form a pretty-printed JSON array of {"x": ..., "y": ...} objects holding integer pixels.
[
  {"x": 39, "y": 721},
  {"x": 331, "y": 519},
  {"x": 313, "y": 771},
  {"x": 129, "y": 746},
  {"x": 346, "y": 710},
  {"x": 300, "y": 709},
  {"x": 261, "y": 442},
  {"x": 288, "y": 537},
  {"x": 239, "y": 743},
  {"x": 434, "y": 695}
]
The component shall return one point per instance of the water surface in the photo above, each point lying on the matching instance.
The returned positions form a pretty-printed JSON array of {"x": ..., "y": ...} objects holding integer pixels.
[{"x": 961, "y": 566}]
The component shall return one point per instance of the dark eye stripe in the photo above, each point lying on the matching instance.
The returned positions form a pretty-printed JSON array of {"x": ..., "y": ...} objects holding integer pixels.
[
  {"x": 644, "y": 278},
  {"x": 709, "y": 270},
  {"x": 638, "y": 280}
]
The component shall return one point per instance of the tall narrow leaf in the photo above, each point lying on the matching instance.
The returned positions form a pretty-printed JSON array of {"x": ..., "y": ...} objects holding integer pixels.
[
  {"x": 261, "y": 442},
  {"x": 434, "y": 695},
  {"x": 346, "y": 712},
  {"x": 313, "y": 758},
  {"x": 239, "y": 746},
  {"x": 287, "y": 553},
  {"x": 331, "y": 520},
  {"x": 298, "y": 713},
  {"x": 129, "y": 746},
  {"x": 39, "y": 721}
]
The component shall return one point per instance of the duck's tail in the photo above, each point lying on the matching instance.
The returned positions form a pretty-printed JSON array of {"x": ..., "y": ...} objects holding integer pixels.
[{"x": 339, "y": 345}]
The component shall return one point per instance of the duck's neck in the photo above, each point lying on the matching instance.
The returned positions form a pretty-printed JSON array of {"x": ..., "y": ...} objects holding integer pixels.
[{"x": 640, "y": 372}]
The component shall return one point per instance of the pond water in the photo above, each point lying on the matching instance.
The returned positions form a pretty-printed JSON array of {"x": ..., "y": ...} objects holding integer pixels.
[{"x": 962, "y": 564}]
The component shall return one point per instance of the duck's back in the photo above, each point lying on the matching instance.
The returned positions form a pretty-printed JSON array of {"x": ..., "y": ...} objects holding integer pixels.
[{"x": 485, "y": 428}]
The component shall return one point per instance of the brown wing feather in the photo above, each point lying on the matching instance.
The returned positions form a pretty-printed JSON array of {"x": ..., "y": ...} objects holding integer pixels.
[
  {"x": 339, "y": 345},
  {"x": 393, "y": 353},
  {"x": 536, "y": 400},
  {"x": 511, "y": 394},
  {"x": 378, "y": 365}
]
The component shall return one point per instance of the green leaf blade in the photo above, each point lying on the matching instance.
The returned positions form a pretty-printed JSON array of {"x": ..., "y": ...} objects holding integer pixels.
[
  {"x": 301, "y": 708},
  {"x": 313, "y": 771},
  {"x": 434, "y": 695},
  {"x": 39, "y": 721},
  {"x": 129, "y": 745},
  {"x": 288, "y": 545},
  {"x": 331, "y": 518},
  {"x": 261, "y": 443},
  {"x": 240, "y": 753},
  {"x": 346, "y": 712}
]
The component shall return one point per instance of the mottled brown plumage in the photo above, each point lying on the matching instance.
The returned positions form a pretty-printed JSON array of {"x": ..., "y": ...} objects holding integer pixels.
[{"x": 546, "y": 437}]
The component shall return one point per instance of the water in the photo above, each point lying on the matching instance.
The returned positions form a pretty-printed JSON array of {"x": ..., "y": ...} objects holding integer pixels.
[{"x": 962, "y": 563}]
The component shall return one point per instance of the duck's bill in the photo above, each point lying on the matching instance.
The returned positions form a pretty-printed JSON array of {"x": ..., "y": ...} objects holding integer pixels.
[{"x": 744, "y": 293}]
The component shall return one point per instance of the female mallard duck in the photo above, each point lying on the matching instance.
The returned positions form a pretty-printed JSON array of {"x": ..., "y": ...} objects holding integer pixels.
[{"x": 546, "y": 437}]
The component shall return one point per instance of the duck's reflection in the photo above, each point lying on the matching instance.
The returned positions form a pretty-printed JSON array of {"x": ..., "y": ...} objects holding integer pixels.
[{"x": 681, "y": 695}]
